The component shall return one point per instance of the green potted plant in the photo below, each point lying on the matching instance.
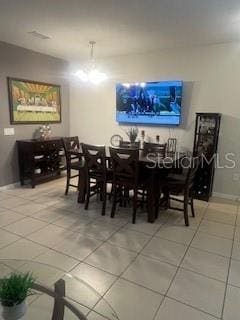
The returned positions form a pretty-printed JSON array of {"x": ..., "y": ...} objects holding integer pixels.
[
  {"x": 13, "y": 293},
  {"x": 132, "y": 134}
]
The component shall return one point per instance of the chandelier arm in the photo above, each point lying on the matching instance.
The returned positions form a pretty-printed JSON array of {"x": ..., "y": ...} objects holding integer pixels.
[{"x": 92, "y": 43}]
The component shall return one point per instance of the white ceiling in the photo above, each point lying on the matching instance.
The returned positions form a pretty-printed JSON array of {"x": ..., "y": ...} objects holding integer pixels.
[{"x": 118, "y": 26}]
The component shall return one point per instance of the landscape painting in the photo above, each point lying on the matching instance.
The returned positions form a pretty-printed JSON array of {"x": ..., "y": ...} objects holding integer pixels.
[{"x": 33, "y": 102}]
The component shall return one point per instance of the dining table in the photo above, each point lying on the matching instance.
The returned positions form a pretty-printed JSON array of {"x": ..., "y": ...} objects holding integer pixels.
[{"x": 157, "y": 169}]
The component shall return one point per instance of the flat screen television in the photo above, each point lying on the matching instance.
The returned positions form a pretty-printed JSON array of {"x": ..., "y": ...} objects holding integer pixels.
[{"x": 157, "y": 103}]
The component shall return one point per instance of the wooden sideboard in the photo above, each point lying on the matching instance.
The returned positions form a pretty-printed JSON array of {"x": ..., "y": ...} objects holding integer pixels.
[{"x": 40, "y": 160}]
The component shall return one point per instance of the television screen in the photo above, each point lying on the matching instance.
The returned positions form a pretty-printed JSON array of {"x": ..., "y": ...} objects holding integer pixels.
[{"x": 149, "y": 103}]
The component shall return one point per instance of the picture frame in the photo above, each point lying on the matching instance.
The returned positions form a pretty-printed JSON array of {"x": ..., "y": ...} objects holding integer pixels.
[{"x": 33, "y": 102}]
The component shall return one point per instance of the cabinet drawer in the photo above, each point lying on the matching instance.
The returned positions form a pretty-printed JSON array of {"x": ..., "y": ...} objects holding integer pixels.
[
  {"x": 53, "y": 145},
  {"x": 40, "y": 146}
]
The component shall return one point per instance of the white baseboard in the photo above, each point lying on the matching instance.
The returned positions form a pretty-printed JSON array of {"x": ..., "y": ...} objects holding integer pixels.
[
  {"x": 226, "y": 196},
  {"x": 9, "y": 186}
]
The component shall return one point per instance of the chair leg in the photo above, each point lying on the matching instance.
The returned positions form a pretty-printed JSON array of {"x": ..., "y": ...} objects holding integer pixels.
[
  {"x": 121, "y": 192},
  {"x": 165, "y": 201},
  {"x": 114, "y": 203},
  {"x": 111, "y": 193},
  {"x": 186, "y": 210},
  {"x": 104, "y": 197},
  {"x": 78, "y": 181},
  {"x": 192, "y": 207},
  {"x": 100, "y": 190},
  {"x": 126, "y": 196},
  {"x": 87, "y": 195},
  {"x": 134, "y": 206},
  {"x": 68, "y": 181},
  {"x": 143, "y": 199},
  {"x": 157, "y": 202}
]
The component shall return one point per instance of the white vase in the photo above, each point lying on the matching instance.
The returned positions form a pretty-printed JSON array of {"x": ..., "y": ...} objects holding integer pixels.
[{"x": 14, "y": 313}]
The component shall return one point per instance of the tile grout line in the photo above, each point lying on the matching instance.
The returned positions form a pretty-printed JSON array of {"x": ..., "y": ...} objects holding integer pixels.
[
  {"x": 81, "y": 234},
  {"x": 178, "y": 267},
  {"x": 229, "y": 268},
  {"x": 95, "y": 219},
  {"x": 192, "y": 307},
  {"x": 119, "y": 277},
  {"x": 128, "y": 266},
  {"x": 111, "y": 244},
  {"x": 47, "y": 247}
]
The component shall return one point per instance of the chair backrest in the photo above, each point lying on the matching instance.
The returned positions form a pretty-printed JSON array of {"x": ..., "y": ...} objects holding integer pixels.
[
  {"x": 129, "y": 145},
  {"x": 171, "y": 145},
  {"x": 155, "y": 149},
  {"x": 125, "y": 164},
  {"x": 193, "y": 163},
  {"x": 70, "y": 143},
  {"x": 95, "y": 158}
]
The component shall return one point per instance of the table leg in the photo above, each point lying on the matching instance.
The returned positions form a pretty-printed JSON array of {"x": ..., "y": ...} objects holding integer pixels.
[
  {"x": 164, "y": 202},
  {"x": 152, "y": 195},
  {"x": 82, "y": 185}
]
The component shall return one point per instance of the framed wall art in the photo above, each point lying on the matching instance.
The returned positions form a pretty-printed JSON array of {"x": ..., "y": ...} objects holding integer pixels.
[{"x": 33, "y": 102}]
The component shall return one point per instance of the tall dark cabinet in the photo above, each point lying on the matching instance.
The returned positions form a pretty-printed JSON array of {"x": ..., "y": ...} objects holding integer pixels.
[{"x": 205, "y": 142}]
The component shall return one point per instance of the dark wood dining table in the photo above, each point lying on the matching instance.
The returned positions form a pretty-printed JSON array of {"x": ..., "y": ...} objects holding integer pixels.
[{"x": 157, "y": 168}]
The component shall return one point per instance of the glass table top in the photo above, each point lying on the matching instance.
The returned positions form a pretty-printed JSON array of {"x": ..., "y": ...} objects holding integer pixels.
[{"x": 79, "y": 293}]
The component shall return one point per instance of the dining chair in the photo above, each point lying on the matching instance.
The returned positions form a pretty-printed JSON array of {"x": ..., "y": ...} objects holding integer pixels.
[
  {"x": 182, "y": 184},
  {"x": 73, "y": 162},
  {"x": 98, "y": 176},
  {"x": 125, "y": 164},
  {"x": 129, "y": 145}
]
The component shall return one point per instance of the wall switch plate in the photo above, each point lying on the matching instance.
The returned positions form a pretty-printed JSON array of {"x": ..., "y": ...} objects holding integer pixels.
[{"x": 9, "y": 131}]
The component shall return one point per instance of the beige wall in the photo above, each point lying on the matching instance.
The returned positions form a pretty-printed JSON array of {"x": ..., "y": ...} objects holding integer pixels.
[
  {"x": 211, "y": 76},
  {"x": 22, "y": 63}
]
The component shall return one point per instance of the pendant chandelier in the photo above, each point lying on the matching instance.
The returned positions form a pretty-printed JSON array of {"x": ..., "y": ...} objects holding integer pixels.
[{"x": 90, "y": 73}]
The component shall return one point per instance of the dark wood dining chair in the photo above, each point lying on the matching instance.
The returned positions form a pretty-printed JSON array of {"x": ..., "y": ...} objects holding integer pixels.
[
  {"x": 155, "y": 149},
  {"x": 125, "y": 164},
  {"x": 129, "y": 145},
  {"x": 97, "y": 173},
  {"x": 73, "y": 162},
  {"x": 182, "y": 184}
]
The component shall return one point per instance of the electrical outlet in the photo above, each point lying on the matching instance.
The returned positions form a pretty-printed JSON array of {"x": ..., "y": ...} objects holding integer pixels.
[{"x": 9, "y": 131}]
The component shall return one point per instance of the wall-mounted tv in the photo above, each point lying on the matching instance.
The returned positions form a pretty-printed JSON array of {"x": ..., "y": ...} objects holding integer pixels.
[{"x": 157, "y": 103}]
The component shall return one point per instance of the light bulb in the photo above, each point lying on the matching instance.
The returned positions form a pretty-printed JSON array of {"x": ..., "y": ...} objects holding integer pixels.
[
  {"x": 82, "y": 75},
  {"x": 96, "y": 77}
]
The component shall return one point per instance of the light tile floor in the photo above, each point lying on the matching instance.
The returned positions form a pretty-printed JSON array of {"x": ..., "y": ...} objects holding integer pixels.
[{"x": 160, "y": 271}]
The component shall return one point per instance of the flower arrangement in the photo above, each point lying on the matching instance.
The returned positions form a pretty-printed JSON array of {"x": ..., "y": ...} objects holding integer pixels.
[
  {"x": 45, "y": 131},
  {"x": 132, "y": 134}
]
